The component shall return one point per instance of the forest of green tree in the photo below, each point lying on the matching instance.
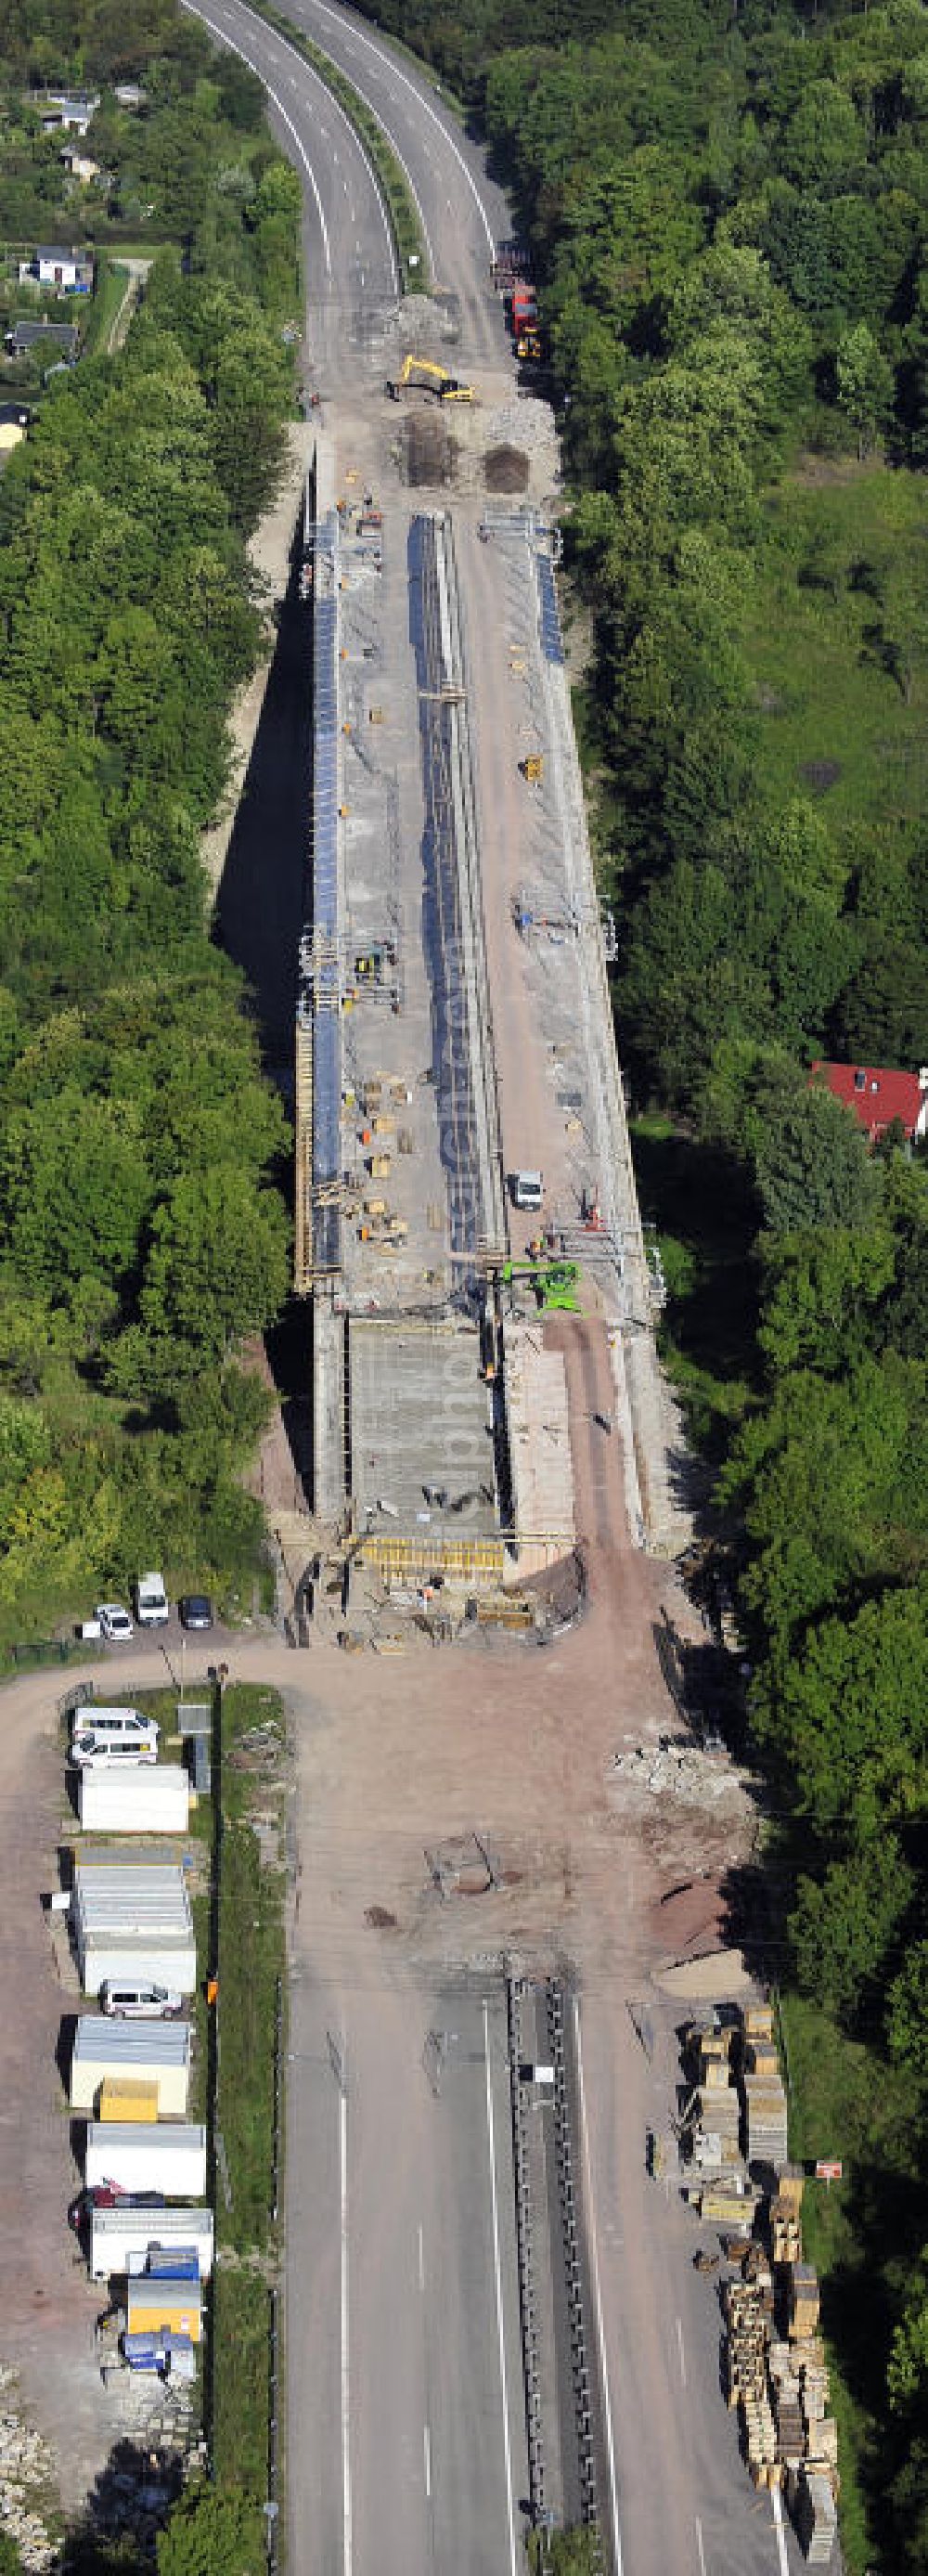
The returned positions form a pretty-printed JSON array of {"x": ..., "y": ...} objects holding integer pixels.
[
  {"x": 728, "y": 211},
  {"x": 143, "y": 1232}
]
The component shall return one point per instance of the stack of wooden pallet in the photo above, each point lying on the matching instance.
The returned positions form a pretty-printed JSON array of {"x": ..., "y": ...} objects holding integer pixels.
[
  {"x": 787, "y": 2406},
  {"x": 764, "y": 2119},
  {"x": 721, "y": 2205},
  {"x": 717, "y": 2118},
  {"x": 785, "y": 2233},
  {"x": 803, "y": 2301},
  {"x": 748, "y": 2324},
  {"x": 812, "y": 2505},
  {"x": 786, "y": 2216},
  {"x": 746, "y": 2344},
  {"x": 757, "y": 2022}
]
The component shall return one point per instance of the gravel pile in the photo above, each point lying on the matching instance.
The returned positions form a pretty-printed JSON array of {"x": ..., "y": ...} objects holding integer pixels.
[
  {"x": 24, "y": 2463},
  {"x": 526, "y": 423}
]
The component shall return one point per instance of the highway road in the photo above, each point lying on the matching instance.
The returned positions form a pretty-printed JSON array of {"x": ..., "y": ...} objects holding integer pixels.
[
  {"x": 350, "y": 261},
  {"x": 407, "y": 2444},
  {"x": 349, "y": 256},
  {"x": 462, "y": 210}
]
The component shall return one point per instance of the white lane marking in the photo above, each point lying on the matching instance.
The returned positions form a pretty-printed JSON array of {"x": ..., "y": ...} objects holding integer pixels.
[
  {"x": 427, "y": 2455},
  {"x": 600, "y": 2329},
  {"x": 224, "y": 39},
  {"x": 781, "y": 2536},
  {"x": 346, "y": 2386},
  {"x": 514, "y": 2564},
  {"x": 680, "y": 2351},
  {"x": 421, "y": 2260},
  {"x": 702, "y": 2554},
  {"x": 422, "y": 107},
  {"x": 346, "y": 2381}
]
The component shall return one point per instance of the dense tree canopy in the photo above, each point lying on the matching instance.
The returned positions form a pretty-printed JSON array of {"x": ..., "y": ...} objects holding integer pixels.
[{"x": 141, "y": 1238}]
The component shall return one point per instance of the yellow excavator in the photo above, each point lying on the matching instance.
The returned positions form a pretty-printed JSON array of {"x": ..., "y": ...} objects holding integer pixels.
[{"x": 430, "y": 379}]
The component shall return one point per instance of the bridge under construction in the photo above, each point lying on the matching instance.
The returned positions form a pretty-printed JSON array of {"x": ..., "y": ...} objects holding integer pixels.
[{"x": 440, "y": 1440}]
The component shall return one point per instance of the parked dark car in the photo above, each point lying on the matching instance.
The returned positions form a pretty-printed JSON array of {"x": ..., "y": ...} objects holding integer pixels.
[{"x": 196, "y": 1610}]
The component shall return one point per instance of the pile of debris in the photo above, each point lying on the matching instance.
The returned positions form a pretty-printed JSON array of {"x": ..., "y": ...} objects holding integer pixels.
[
  {"x": 25, "y": 2465},
  {"x": 427, "y": 324},
  {"x": 527, "y": 424},
  {"x": 676, "y": 1768}
]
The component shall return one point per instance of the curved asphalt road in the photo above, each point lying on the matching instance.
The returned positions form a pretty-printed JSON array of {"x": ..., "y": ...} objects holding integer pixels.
[
  {"x": 350, "y": 263},
  {"x": 463, "y": 212}
]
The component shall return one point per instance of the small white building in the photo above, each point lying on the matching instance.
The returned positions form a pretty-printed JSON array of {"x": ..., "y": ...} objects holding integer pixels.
[
  {"x": 169, "y": 2156},
  {"x": 132, "y": 1921},
  {"x": 107, "y": 2050},
  {"x": 68, "y": 270},
  {"x": 136, "y": 1798},
  {"x": 65, "y": 114},
  {"x": 121, "y": 2240}
]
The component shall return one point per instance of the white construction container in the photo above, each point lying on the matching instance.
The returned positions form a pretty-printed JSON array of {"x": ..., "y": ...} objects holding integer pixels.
[
  {"x": 148, "y": 2052},
  {"x": 133, "y": 1922},
  {"x": 135, "y": 1799},
  {"x": 122, "y": 2239},
  {"x": 164, "y": 2158}
]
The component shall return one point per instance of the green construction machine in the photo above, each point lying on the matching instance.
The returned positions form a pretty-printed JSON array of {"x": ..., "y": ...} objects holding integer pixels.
[{"x": 554, "y": 1282}]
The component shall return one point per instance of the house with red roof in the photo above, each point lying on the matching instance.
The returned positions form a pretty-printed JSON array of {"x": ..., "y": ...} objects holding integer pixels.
[{"x": 878, "y": 1097}]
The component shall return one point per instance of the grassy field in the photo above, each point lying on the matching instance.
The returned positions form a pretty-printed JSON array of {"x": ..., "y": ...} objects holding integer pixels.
[
  {"x": 860, "y": 2234},
  {"x": 112, "y": 281},
  {"x": 837, "y": 640},
  {"x": 241, "y": 2326}
]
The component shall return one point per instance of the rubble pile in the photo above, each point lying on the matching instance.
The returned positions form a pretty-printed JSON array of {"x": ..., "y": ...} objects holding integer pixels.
[
  {"x": 25, "y": 2464},
  {"x": 679, "y": 1770}
]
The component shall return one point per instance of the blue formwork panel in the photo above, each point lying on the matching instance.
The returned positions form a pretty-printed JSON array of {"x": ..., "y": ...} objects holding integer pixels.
[
  {"x": 326, "y": 924},
  {"x": 551, "y": 640}
]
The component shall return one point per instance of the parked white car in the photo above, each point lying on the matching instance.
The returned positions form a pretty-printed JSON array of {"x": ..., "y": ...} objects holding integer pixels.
[
  {"x": 115, "y": 1623},
  {"x": 141, "y": 2002}
]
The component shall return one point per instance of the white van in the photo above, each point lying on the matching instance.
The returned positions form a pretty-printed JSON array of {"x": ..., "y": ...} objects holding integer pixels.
[
  {"x": 113, "y": 1734},
  {"x": 151, "y": 1601}
]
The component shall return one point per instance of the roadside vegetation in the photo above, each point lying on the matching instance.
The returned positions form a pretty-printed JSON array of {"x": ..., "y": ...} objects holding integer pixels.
[
  {"x": 143, "y": 1233},
  {"x": 249, "y": 2026},
  {"x": 728, "y": 215}
]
